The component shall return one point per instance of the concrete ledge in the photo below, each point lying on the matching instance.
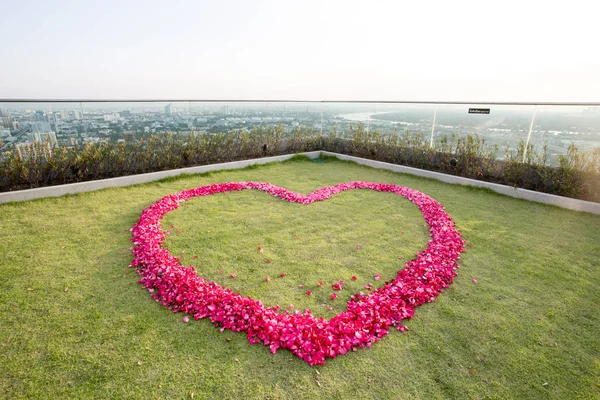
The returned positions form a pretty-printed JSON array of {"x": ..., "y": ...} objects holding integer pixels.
[
  {"x": 60, "y": 190},
  {"x": 559, "y": 201},
  {"x": 55, "y": 191}
]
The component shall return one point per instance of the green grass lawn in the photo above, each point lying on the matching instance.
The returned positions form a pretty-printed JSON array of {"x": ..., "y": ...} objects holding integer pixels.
[{"x": 74, "y": 323}]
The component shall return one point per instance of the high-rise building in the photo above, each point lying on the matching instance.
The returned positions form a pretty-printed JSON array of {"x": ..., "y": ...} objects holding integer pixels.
[
  {"x": 26, "y": 150},
  {"x": 169, "y": 109},
  {"x": 42, "y": 137},
  {"x": 112, "y": 117},
  {"x": 40, "y": 116},
  {"x": 40, "y": 126},
  {"x": 8, "y": 122}
]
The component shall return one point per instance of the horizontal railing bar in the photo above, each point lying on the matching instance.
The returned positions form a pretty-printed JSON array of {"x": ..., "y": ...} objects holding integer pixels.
[{"x": 488, "y": 103}]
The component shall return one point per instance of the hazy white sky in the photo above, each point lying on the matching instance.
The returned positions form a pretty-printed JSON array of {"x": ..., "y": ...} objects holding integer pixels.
[{"x": 318, "y": 50}]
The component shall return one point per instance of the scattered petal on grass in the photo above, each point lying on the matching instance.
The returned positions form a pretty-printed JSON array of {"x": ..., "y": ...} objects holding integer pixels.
[
  {"x": 319, "y": 283},
  {"x": 233, "y": 276},
  {"x": 354, "y": 277},
  {"x": 282, "y": 275},
  {"x": 308, "y": 292},
  {"x": 220, "y": 272},
  {"x": 260, "y": 249},
  {"x": 195, "y": 256},
  {"x": 267, "y": 278},
  {"x": 358, "y": 247},
  {"x": 333, "y": 296},
  {"x": 268, "y": 260},
  {"x": 337, "y": 285},
  {"x": 186, "y": 319},
  {"x": 474, "y": 280},
  {"x": 377, "y": 277}
]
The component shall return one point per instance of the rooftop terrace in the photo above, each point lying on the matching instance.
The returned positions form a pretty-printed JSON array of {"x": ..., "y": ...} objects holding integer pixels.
[{"x": 519, "y": 321}]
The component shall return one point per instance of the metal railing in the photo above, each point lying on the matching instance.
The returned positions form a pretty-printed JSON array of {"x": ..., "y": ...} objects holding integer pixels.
[{"x": 503, "y": 124}]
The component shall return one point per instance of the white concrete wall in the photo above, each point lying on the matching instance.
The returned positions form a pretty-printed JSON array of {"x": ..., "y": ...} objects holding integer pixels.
[
  {"x": 560, "y": 201},
  {"x": 60, "y": 190}
]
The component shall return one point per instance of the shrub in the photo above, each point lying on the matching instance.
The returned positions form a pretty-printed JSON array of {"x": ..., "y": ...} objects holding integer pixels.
[{"x": 577, "y": 175}]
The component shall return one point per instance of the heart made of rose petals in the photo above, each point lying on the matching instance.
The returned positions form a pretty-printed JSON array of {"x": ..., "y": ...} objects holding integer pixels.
[{"x": 313, "y": 339}]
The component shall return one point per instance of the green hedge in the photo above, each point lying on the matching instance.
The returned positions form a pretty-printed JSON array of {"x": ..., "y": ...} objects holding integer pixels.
[{"x": 577, "y": 175}]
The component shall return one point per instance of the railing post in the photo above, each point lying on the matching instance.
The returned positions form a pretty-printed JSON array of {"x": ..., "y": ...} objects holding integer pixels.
[
  {"x": 432, "y": 128},
  {"x": 321, "y": 118},
  {"x": 82, "y": 116},
  {"x": 529, "y": 134}
]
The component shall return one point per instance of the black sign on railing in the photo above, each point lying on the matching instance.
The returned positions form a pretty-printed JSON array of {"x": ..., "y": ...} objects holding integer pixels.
[{"x": 479, "y": 110}]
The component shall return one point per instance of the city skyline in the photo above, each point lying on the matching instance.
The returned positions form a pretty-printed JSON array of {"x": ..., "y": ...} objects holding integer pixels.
[
  {"x": 502, "y": 127},
  {"x": 468, "y": 51}
]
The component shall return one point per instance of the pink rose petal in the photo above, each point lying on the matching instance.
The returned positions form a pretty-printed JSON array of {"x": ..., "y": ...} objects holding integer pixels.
[{"x": 367, "y": 317}]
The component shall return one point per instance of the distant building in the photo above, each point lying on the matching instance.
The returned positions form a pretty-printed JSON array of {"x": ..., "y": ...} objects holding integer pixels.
[
  {"x": 169, "y": 109},
  {"x": 9, "y": 123},
  {"x": 35, "y": 149},
  {"x": 112, "y": 117},
  {"x": 40, "y": 126},
  {"x": 40, "y": 116},
  {"x": 4, "y": 133},
  {"x": 125, "y": 113},
  {"x": 43, "y": 137}
]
